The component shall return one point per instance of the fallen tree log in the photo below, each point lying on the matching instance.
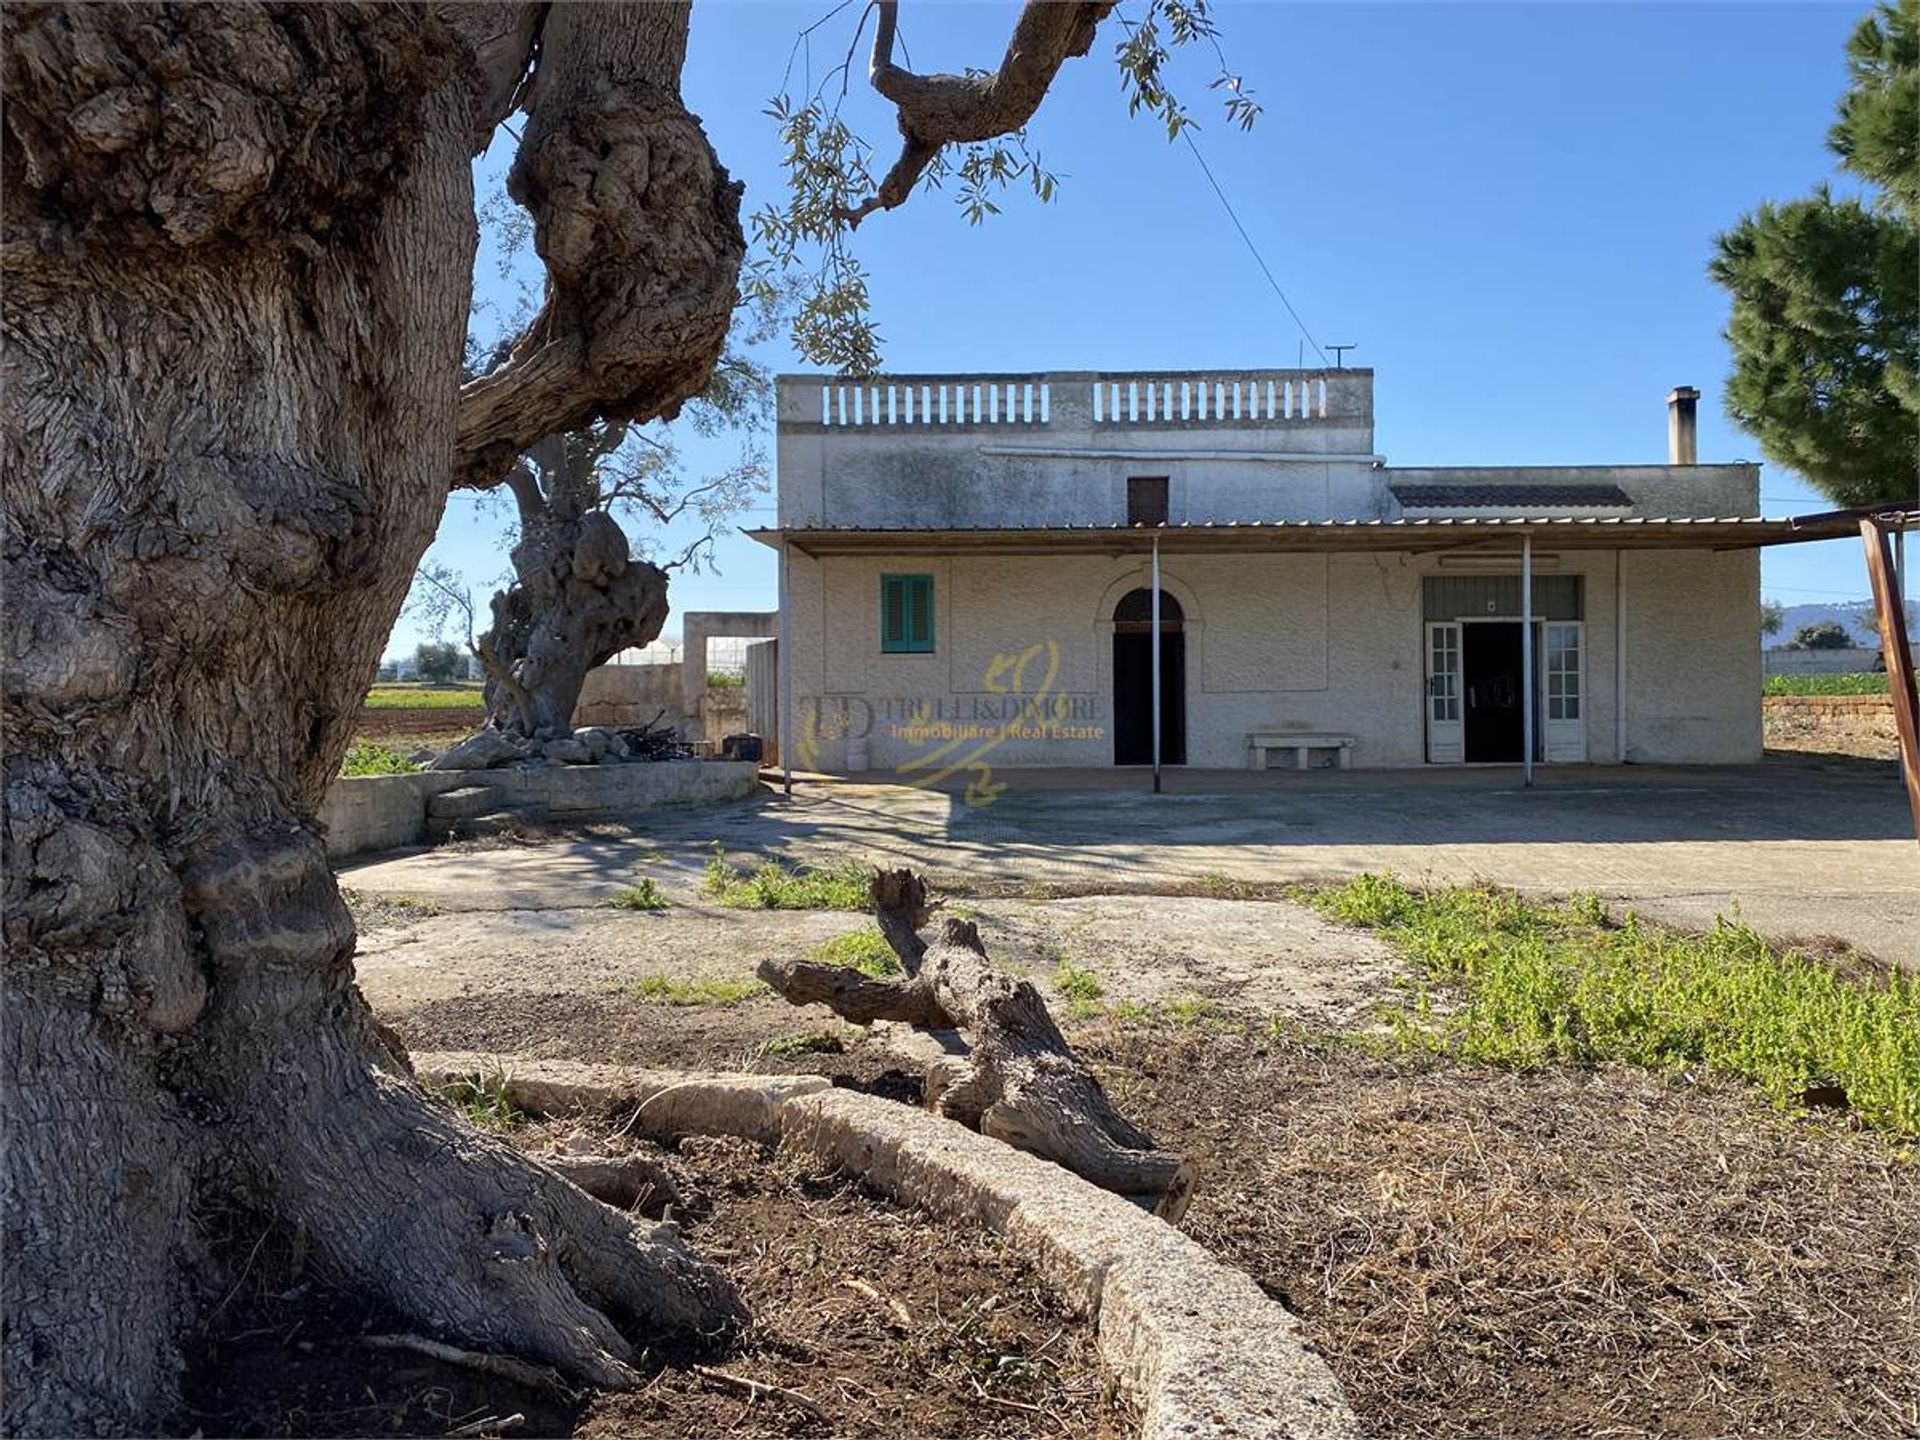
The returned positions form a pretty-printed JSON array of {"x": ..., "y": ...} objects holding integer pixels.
[{"x": 1019, "y": 1080}]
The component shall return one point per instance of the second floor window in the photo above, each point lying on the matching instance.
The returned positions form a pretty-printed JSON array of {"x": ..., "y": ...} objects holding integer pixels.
[
  {"x": 906, "y": 614},
  {"x": 1147, "y": 500}
]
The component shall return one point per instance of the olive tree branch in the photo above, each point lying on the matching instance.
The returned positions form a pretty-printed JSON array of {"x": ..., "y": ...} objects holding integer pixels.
[{"x": 939, "y": 110}]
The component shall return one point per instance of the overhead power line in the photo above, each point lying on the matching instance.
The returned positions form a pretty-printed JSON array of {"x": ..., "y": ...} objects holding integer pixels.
[{"x": 1252, "y": 249}]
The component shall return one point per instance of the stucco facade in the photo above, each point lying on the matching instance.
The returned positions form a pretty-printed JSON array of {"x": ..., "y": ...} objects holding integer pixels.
[{"x": 1015, "y": 512}]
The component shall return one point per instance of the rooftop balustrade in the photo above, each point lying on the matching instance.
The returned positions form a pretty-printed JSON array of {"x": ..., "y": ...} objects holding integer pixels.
[{"x": 1079, "y": 401}]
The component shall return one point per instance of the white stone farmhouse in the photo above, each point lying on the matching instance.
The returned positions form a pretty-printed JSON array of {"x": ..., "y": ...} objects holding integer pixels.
[{"x": 968, "y": 562}]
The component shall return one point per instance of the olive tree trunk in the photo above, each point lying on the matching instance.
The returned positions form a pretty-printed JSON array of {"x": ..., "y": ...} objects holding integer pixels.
[
  {"x": 579, "y": 597},
  {"x": 237, "y": 260}
]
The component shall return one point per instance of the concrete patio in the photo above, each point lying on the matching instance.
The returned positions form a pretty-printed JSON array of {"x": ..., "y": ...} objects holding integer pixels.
[{"x": 1800, "y": 849}]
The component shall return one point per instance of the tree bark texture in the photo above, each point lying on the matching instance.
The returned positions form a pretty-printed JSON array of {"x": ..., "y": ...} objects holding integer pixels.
[
  {"x": 1020, "y": 1081},
  {"x": 237, "y": 258}
]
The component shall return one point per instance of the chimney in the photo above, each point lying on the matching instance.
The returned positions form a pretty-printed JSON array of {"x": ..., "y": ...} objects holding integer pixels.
[{"x": 1683, "y": 429}]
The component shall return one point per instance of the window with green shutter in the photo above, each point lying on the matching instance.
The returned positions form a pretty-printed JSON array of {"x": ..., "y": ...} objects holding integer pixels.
[{"x": 906, "y": 614}]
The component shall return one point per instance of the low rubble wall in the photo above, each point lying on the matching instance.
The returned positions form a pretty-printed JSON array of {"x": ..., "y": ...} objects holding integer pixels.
[
  {"x": 384, "y": 812},
  {"x": 1829, "y": 704}
]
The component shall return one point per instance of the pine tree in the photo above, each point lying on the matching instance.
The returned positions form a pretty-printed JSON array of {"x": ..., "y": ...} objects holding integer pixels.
[{"x": 1825, "y": 328}]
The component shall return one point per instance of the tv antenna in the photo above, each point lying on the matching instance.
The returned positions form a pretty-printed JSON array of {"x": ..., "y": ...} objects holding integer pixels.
[{"x": 1340, "y": 355}]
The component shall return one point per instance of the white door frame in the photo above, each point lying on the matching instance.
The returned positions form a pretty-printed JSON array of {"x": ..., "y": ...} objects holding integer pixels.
[
  {"x": 1562, "y": 742},
  {"x": 1440, "y": 743},
  {"x": 1446, "y": 738}
]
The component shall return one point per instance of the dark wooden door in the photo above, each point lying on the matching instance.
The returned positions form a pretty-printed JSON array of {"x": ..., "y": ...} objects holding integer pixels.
[
  {"x": 1490, "y": 673},
  {"x": 1133, "y": 697}
]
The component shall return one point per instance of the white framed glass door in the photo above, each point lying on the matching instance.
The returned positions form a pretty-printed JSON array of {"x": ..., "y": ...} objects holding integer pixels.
[
  {"x": 1563, "y": 729},
  {"x": 1446, "y": 736}
]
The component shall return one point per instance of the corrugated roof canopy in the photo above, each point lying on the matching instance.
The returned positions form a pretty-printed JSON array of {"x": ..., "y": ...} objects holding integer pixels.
[{"x": 1560, "y": 532}]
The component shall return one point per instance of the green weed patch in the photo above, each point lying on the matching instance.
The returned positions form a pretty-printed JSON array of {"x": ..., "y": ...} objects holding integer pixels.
[
  {"x": 1189, "y": 1010},
  {"x": 485, "y": 1099},
  {"x": 1076, "y": 982},
  {"x": 864, "y": 950},
  {"x": 773, "y": 886},
  {"x": 370, "y": 757},
  {"x": 805, "y": 1042},
  {"x": 644, "y": 896},
  {"x": 1183, "y": 1012},
  {"x": 1856, "y": 683},
  {"x": 1502, "y": 981}
]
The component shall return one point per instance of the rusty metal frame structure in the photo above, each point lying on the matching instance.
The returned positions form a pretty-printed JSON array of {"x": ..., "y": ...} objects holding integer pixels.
[{"x": 1876, "y": 532}]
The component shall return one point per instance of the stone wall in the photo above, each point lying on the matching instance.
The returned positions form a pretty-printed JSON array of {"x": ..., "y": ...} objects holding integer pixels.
[
  {"x": 381, "y": 812},
  {"x": 623, "y": 695},
  {"x": 384, "y": 812},
  {"x": 723, "y": 712},
  {"x": 1830, "y": 704},
  {"x": 697, "y": 627}
]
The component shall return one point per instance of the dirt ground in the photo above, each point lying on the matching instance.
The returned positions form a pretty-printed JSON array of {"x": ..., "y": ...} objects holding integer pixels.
[
  {"x": 411, "y": 727},
  {"x": 1544, "y": 1254},
  {"x": 885, "y": 1322},
  {"x": 511, "y": 965},
  {"x": 1476, "y": 1252},
  {"x": 1557, "y": 1253}
]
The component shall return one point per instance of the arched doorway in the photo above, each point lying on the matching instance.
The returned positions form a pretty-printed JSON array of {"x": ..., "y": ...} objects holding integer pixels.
[{"x": 1133, "y": 680}]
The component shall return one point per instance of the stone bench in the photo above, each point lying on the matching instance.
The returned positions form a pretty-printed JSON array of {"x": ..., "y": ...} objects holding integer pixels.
[{"x": 1261, "y": 742}]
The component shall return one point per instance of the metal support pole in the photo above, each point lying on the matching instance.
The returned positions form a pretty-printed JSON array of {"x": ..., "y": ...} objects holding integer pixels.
[
  {"x": 1619, "y": 659},
  {"x": 1526, "y": 653},
  {"x": 786, "y": 676},
  {"x": 1156, "y": 664}
]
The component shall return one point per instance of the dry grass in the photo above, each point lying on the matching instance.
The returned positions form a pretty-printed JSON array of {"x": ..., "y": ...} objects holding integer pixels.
[
  {"x": 1550, "y": 1253},
  {"x": 891, "y": 1323}
]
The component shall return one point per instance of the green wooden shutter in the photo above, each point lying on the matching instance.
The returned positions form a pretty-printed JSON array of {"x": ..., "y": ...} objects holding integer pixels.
[
  {"x": 920, "y": 612},
  {"x": 893, "y": 613},
  {"x": 906, "y": 613}
]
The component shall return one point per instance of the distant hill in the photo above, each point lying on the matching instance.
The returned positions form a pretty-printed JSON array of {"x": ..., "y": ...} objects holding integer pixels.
[{"x": 1856, "y": 617}]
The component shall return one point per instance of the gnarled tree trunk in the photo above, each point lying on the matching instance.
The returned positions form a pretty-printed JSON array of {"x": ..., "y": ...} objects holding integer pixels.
[
  {"x": 1020, "y": 1081},
  {"x": 238, "y": 261},
  {"x": 580, "y": 597},
  {"x": 238, "y": 254}
]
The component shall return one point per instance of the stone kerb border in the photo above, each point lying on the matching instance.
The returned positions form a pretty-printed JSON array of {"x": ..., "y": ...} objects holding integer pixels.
[{"x": 1195, "y": 1343}]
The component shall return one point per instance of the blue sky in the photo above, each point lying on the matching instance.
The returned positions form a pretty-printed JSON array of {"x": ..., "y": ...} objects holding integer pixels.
[{"x": 1508, "y": 209}]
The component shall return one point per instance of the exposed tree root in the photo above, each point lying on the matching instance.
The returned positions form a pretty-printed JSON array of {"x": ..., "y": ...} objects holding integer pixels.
[
  {"x": 400, "y": 1200},
  {"x": 626, "y": 1182},
  {"x": 1020, "y": 1081},
  {"x": 482, "y": 1244}
]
